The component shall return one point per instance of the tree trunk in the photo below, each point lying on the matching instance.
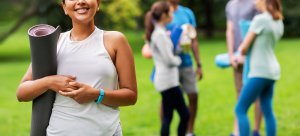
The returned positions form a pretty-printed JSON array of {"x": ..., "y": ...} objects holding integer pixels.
[
  {"x": 29, "y": 13},
  {"x": 209, "y": 23}
]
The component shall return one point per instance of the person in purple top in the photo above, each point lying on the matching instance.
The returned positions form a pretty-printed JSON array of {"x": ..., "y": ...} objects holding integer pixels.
[{"x": 237, "y": 11}]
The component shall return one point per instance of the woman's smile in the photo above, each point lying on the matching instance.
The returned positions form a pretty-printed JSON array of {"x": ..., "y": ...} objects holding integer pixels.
[{"x": 82, "y": 10}]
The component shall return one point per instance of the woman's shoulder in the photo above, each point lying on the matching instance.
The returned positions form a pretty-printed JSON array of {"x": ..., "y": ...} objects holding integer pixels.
[
  {"x": 158, "y": 33},
  {"x": 64, "y": 34},
  {"x": 114, "y": 36},
  {"x": 114, "y": 39},
  {"x": 262, "y": 17}
]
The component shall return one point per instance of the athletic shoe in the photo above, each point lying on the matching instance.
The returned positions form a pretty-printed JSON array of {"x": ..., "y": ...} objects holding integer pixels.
[
  {"x": 255, "y": 133},
  {"x": 190, "y": 134}
]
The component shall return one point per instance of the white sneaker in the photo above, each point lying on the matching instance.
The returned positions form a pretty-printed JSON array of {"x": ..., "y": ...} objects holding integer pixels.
[{"x": 189, "y": 134}]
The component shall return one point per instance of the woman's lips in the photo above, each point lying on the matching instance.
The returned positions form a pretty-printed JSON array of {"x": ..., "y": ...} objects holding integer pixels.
[{"x": 82, "y": 10}]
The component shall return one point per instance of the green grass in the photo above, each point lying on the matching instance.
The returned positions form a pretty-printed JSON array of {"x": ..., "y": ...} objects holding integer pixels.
[{"x": 217, "y": 95}]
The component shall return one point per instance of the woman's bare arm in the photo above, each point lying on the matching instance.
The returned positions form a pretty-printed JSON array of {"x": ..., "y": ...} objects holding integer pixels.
[
  {"x": 29, "y": 89},
  {"x": 124, "y": 62},
  {"x": 246, "y": 43}
]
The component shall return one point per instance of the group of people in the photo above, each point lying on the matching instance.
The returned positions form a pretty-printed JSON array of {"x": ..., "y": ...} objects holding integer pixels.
[
  {"x": 255, "y": 49},
  {"x": 92, "y": 82},
  {"x": 261, "y": 65},
  {"x": 173, "y": 72}
]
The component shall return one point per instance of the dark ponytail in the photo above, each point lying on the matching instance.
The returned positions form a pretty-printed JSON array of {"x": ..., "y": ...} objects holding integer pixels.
[
  {"x": 149, "y": 27},
  {"x": 274, "y": 7},
  {"x": 154, "y": 15}
]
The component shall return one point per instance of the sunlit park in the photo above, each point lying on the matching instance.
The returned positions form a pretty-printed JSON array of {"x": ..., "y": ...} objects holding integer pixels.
[{"x": 216, "y": 91}]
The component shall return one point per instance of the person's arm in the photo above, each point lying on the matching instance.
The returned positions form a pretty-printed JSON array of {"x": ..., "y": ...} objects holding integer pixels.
[
  {"x": 246, "y": 43},
  {"x": 230, "y": 42},
  {"x": 127, "y": 94},
  {"x": 165, "y": 51},
  {"x": 123, "y": 59},
  {"x": 230, "y": 38},
  {"x": 195, "y": 49},
  {"x": 256, "y": 28},
  {"x": 194, "y": 44},
  {"x": 29, "y": 89}
]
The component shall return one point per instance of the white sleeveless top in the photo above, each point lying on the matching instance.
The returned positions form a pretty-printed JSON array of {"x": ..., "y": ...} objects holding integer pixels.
[{"x": 90, "y": 62}]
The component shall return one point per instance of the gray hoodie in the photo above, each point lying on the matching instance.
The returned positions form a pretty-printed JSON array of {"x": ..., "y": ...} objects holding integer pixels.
[{"x": 166, "y": 64}]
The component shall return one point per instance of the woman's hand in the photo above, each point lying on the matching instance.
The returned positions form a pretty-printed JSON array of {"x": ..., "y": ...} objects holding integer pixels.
[
  {"x": 240, "y": 59},
  {"x": 60, "y": 82},
  {"x": 233, "y": 61},
  {"x": 29, "y": 89},
  {"x": 83, "y": 94},
  {"x": 199, "y": 73}
]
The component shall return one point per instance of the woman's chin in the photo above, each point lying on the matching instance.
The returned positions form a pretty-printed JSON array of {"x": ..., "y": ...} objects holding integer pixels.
[{"x": 83, "y": 20}]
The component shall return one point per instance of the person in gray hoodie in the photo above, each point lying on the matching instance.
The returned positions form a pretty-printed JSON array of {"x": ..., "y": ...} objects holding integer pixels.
[{"x": 166, "y": 79}]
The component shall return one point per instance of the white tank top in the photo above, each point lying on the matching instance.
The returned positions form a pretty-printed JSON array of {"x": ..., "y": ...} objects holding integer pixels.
[{"x": 90, "y": 62}]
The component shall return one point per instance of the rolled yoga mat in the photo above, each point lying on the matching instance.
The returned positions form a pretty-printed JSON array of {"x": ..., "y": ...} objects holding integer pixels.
[
  {"x": 223, "y": 60},
  {"x": 43, "y": 44},
  {"x": 244, "y": 27}
]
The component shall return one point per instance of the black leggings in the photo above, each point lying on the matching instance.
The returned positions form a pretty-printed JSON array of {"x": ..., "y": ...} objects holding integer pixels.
[{"x": 173, "y": 99}]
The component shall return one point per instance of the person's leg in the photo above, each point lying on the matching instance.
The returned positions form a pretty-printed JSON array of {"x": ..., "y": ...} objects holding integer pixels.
[
  {"x": 193, "y": 105},
  {"x": 189, "y": 85},
  {"x": 258, "y": 118},
  {"x": 168, "y": 107},
  {"x": 161, "y": 112},
  {"x": 182, "y": 111},
  {"x": 250, "y": 91},
  {"x": 266, "y": 99},
  {"x": 238, "y": 77}
]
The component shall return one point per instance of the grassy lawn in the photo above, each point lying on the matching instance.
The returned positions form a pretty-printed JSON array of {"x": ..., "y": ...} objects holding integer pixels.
[{"x": 217, "y": 95}]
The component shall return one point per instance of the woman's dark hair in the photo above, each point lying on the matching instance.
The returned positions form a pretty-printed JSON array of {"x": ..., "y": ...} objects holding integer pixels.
[
  {"x": 274, "y": 7},
  {"x": 157, "y": 10},
  {"x": 63, "y": 1}
]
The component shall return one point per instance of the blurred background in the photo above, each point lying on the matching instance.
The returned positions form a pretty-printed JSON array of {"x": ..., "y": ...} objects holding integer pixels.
[
  {"x": 128, "y": 15},
  {"x": 217, "y": 95}
]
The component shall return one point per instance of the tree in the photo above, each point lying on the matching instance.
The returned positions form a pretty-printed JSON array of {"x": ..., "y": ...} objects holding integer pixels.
[
  {"x": 291, "y": 18},
  {"x": 30, "y": 9},
  {"x": 118, "y": 14},
  {"x": 121, "y": 14}
]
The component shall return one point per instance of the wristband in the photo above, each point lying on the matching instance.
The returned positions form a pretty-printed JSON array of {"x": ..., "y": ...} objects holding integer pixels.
[
  {"x": 199, "y": 65},
  {"x": 101, "y": 95}
]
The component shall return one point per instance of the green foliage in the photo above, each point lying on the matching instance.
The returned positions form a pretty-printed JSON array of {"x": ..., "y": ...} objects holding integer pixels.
[
  {"x": 121, "y": 14},
  {"x": 7, "y": 13},
  {"x": 129, "y": 14},
  {"x": 291, "y": 17}
]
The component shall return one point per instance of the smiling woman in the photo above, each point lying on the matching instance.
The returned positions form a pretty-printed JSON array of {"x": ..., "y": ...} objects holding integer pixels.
[
  {"x": 91, "y": 82},
  {"x": 81, "y": 12}
]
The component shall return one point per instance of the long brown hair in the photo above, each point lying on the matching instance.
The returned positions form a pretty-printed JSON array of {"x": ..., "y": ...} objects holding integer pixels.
[
  {"x": 274, "y": 7},
  {"x": 157, "y": 10}
]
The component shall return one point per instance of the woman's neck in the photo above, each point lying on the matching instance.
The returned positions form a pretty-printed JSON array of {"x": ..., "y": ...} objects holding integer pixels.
[
  {"x": 81, "y": 31},
  {"x": 175, "y": 6},
  {"x": 162, "y": 24}
]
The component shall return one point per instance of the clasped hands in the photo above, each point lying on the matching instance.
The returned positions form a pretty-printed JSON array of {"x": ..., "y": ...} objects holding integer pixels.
[
  {"x": 67, "y": 86},
  {"x": 235, "y": 61}
]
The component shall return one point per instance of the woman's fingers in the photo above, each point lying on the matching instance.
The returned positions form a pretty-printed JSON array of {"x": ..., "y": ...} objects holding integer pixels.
[
  {"x": 68, "y": 90},
  {"x": 76, "y": 84},
  {"x": 69, "y": 93},
  {"x": 68, "y": 85},
  {"x": 71, "y": 77}
]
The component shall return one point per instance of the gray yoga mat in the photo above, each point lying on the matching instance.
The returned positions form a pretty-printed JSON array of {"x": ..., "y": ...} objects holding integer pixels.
[{"x": 43, "y": 44}]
